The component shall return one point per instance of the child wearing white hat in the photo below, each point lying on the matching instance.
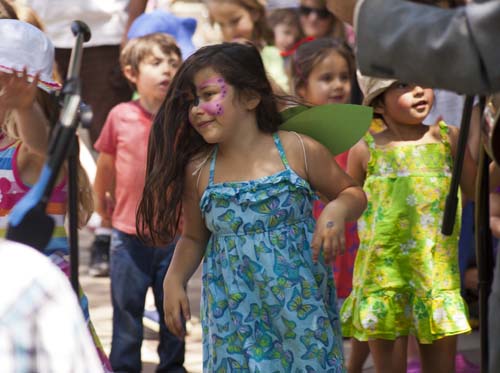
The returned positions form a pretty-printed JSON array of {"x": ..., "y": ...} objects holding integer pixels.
[
  {"x": 406, "y": 279},
  {"x": 26, "y": 104}
]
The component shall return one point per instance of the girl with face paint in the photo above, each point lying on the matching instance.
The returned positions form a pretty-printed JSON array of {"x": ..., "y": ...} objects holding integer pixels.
[{"x": 245, "y": 190}]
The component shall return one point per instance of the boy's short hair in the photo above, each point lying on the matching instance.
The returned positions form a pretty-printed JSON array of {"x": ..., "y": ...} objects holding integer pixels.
[{"x": 137, "y": 49}]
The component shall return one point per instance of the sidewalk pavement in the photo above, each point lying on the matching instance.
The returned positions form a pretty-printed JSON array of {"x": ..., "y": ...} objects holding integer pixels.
[{"x": 97, "y": 290}]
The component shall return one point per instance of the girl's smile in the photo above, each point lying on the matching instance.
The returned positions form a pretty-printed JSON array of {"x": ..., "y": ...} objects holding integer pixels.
[
  {"x": 204, "y": 124},
  {"x": 421, "y": 105}
]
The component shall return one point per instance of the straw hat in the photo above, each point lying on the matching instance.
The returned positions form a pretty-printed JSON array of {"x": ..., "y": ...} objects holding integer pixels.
[
  {"x": 372, "y": 87},
  {"x": 23, "y": 45}
]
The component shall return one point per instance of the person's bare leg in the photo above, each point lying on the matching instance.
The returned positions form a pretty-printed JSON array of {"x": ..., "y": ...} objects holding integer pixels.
[
  {"x": 389, "y": 356},
  {"x": 413, "y": 353},
  {"x": 439, "y": 356},
  {"x": 359, "y": 353},
  {"x": 399, "y": 356}
]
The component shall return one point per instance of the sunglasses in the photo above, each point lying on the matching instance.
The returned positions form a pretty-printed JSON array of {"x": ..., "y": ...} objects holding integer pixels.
[{"x": 320, "y": 12}]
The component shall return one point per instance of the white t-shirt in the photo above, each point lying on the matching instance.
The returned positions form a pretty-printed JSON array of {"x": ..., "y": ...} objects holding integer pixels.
[
  {"x": 448, "y": 106},
  {"x": 106, "y": 19}
]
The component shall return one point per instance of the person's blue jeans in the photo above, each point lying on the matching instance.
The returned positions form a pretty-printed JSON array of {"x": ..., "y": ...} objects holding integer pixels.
[{"x": 134, "y": 267}]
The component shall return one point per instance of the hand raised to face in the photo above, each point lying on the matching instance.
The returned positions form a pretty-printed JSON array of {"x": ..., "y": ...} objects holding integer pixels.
[{"x": 17, "y": 92}]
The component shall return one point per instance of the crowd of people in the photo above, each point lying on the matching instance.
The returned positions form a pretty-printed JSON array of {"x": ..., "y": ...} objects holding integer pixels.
[{"x": 301, "y": 248}]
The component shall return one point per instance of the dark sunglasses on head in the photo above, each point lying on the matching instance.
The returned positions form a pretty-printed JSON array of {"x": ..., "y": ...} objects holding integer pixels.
[{"x": 320, "y": 12}]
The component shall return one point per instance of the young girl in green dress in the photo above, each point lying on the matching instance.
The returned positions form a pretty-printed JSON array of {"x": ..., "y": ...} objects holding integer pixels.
[{"x": 406, "y": 279}]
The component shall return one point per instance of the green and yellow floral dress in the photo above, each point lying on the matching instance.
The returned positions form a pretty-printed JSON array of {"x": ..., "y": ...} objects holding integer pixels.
[{"x": 406, "y": 278}]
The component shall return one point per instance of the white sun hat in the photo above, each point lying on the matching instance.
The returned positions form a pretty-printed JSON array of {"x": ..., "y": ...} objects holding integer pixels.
[
  {"x": 25, "y": 46},
  {"x": 372, "y": 87}
]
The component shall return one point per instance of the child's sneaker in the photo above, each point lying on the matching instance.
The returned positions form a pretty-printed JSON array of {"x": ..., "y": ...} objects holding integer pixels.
[{"x": 99, "y": 256}]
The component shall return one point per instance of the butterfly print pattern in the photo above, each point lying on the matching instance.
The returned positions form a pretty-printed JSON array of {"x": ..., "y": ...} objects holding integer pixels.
[{"x": 266, "y": 307}]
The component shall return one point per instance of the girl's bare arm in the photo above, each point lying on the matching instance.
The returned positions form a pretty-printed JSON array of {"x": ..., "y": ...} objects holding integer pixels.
[
  {"x": 187, "y": 257},
  {"x": 19, "y": 95},
  {"x": 347, "y": 199},
  {"x": 191, "y": 245}
]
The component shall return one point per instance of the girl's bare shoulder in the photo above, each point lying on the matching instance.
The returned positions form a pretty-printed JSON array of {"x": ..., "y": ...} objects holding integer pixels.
[
  {"x": 299, "y": 149},
  {"x": 198, "y": 170}
]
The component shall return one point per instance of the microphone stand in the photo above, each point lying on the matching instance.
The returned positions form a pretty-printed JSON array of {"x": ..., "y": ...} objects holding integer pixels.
[
  {"x": 450, "y": 210},
  {"x": 28, "y": 220}
]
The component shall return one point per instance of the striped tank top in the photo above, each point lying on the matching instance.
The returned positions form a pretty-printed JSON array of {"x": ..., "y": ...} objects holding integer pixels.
[{"x": 12, "y": 189}]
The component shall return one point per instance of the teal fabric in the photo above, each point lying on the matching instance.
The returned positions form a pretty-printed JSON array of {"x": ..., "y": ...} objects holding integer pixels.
[{"x": 266, "y": 307}]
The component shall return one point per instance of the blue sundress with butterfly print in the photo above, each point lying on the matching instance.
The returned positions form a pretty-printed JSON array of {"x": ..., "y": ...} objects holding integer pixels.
[{"x": 266, "y": 307}]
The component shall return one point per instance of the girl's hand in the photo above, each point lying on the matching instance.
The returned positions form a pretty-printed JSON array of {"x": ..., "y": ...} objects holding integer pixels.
[
  {"x": 176, "y": 307},
  {"x": 17, "y": 92},
  {"x": 329, "y": 235}
]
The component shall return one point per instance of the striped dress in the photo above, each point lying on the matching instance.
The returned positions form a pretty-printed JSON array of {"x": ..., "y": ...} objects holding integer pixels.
[{"x": 12, "y": 189}]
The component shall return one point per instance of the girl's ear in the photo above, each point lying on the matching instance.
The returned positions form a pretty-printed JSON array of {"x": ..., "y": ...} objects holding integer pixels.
[
  {"x": 130, "y": 74},
  {"x": 252, "y": 100},
  {"x": 379, "y": 109},
  {"x": 301, "y": 92},
  {"x": 379, "y": 105}
]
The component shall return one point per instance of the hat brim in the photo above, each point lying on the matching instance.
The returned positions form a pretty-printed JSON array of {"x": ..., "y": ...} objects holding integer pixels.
[
  {"x": 337, "y": 126},
  {"x": 48, "y": 85}
]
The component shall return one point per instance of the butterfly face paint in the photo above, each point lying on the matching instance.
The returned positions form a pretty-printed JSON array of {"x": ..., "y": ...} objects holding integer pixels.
[{"x": 212, "y": 93}]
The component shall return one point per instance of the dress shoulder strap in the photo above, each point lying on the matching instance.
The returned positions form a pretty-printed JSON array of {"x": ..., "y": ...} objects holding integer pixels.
[
  {"x": 303, "y": 151},
  {"x": 369, "y": 140},
  {"x": 278, "y": 144},
  {"x": 444, "y": 131}
]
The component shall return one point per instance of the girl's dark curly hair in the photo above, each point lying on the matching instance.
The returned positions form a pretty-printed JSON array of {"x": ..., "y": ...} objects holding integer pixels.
[{"x": 173, "y": 142}]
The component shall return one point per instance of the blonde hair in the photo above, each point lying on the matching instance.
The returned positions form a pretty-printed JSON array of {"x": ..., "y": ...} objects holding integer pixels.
[
  {"x": 85, "y": 196},
  {"x": 7, "y": 10},
  {"x": 26, "y": 14},
  {"x": 137, "y": 49}
]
